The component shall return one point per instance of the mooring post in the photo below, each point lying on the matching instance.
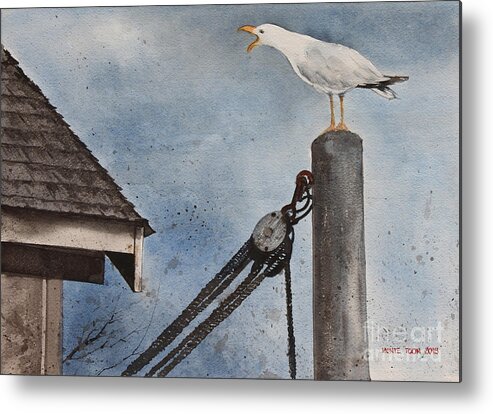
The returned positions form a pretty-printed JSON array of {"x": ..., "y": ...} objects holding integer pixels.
[{"x": 340, "y": 342}]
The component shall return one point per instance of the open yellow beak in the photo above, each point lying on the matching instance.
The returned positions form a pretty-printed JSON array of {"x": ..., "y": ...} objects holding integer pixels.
[{"x": 250, "y": 29}]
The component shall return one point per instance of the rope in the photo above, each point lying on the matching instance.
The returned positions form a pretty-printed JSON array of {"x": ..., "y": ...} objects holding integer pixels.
[
  {"x": 289, "y": 317},
  {"x": 275, "y": 262},
  {"x": 206, "y": 296},
  {"x": 206, "y": 327}
]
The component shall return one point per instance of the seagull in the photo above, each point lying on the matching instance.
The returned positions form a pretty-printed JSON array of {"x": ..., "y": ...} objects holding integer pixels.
[{"x": 331, "y": 68}]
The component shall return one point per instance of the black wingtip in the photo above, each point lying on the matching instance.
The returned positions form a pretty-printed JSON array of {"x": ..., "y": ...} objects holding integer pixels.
[{"x": 395, "y": 79}]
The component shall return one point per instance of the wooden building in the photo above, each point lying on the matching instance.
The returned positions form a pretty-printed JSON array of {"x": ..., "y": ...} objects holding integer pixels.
[{"x": 62, "y": 214}]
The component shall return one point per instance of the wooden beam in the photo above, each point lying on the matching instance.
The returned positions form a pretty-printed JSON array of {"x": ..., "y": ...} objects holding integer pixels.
[
  {"x": 53, "y": 308},
  {"x": 71, "y": 247},
  {"x": 138, "y": 256},
  {"x": 41, "y": 261},
  {"x": 48, "y": 229},
  {"x": 130, "y": 265}
]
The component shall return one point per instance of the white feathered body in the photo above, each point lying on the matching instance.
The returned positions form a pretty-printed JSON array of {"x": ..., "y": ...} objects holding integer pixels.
[{"x": 329, "y": 67}]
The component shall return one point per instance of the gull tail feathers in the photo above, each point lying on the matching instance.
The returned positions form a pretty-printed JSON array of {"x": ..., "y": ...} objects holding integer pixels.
[{"x": 382, "y": 88}]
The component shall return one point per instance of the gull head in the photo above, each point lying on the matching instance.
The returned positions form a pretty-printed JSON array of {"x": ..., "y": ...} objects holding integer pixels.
[{"x": 266, "y": 34}]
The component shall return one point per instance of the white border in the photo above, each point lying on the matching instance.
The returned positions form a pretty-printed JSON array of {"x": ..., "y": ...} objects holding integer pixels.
[{"x": 474, "y": 395}]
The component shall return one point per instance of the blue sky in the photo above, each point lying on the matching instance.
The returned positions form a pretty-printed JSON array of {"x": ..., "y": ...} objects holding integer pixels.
[{"x": 205, "y": 139}]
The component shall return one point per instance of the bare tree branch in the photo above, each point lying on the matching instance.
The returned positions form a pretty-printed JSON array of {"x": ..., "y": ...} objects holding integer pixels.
[
  {"x": 97, "y": 335},
  {"x": 94, "y": 334},
  {"x": 135, "y": 351}
]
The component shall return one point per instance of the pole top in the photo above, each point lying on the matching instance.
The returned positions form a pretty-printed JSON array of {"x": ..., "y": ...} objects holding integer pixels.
[{"x": 332, "y": 142}]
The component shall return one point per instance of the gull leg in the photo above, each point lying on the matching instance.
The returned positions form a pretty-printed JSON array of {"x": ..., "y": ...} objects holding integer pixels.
[
  {"x": 332, "y": 126},
  {"x": 342, "y": 126}
]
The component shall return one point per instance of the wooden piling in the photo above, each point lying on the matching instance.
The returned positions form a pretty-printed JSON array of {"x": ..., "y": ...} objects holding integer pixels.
[{"x": 340, "y": 340}]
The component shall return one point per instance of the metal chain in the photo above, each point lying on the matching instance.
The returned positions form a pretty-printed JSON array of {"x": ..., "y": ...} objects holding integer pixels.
[{"x": 304, "y": 181}]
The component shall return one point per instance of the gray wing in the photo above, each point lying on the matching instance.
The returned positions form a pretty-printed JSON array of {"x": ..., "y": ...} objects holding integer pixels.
[{"x": 332, "y": 67}]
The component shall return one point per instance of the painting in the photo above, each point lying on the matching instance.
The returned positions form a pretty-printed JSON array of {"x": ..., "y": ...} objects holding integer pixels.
[{"x": 265, "y": 191}]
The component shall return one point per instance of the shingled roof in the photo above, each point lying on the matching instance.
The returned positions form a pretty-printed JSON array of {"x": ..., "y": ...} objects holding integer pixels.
[{"x": 45, "y": 166}]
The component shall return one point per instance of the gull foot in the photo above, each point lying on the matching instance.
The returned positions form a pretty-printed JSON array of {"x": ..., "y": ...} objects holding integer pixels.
[
  {"x": 341, "y": 127},
  {"x": 331, "y": 128}
]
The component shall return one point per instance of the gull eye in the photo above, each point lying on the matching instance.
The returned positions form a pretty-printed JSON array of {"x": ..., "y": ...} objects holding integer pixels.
[{"x": 261, "y": 31}]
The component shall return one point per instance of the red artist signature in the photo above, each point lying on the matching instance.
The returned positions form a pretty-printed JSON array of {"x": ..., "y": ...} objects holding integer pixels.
[{"x": 429, "y": 350}]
